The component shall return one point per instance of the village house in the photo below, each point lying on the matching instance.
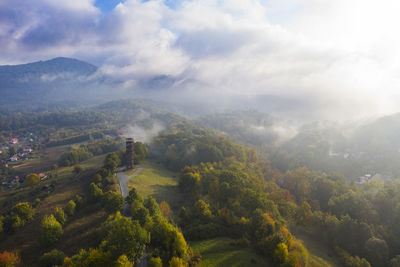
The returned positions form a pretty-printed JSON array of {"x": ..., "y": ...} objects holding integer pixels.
[
  {"x": 42, "y": 176},
  {"x": 14, "y": 141},
  {"x": 14, "y": 158}
]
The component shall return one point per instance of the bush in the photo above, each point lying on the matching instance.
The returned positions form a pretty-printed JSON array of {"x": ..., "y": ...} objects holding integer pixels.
[
  {"x": 95, "y": 193},
  {"x": 70, "y": 208},
  {"x": 155, "y": 262},
  {"x": 60, "y": 216},
  {"x": 52, "y": 258},
  {"x": 51, "y": 230},
  {"x": 24, "y": 210},
  {"x": 32, "y": 179},
  {"x": 78, "y": 201}
]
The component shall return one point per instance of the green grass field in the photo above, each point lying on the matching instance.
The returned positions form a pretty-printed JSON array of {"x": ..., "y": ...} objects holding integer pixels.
[
  {"x": 156, "y": 181},
  {"x": 219, "y": 252}
]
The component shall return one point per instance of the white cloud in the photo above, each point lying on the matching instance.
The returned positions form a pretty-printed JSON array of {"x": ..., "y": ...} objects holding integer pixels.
[{"x": 341, "y": 56}]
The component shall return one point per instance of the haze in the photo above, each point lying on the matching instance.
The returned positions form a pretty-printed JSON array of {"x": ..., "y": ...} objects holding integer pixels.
[{"x": 333, "y": 59}]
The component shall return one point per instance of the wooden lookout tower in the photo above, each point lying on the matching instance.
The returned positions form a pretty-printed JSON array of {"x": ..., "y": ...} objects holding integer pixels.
[{"x": 130, "y": 150}]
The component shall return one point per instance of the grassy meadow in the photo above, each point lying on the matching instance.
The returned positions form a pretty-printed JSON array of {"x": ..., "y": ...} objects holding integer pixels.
[
  {"x": 156, "y": 181},
  {"x": 220, "y": 252}
]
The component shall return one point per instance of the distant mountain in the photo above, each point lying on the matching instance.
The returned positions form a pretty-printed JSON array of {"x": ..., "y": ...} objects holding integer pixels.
[{"x": 42, "y": 82}]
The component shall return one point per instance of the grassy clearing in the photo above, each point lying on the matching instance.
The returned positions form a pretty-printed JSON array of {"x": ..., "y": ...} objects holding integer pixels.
[
  {"x": 81, "y": 230},
  {"x": 43, "y": 162},
  {"x": 156, "y": 181},
  {"x": 320, "y": 254},
  {"x": 220, "y": 252}
]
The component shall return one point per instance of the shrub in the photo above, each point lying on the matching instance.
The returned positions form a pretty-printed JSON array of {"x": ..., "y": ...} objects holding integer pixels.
[
  {"x": 60, "y": 216},
  {"x": 70, "y": 208},
  {"x": 32, "y": 179},
  {"x": 52, "y": 258},
  {"x": 155, "y": 262},
  {"x": 51, "y": 230}
]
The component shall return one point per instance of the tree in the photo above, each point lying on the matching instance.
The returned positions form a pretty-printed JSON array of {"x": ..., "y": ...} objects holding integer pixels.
[
  {"x": 24, "y": 210},
  {"x": 151, "y": 204},
  {"x": 113, "y": 201},
  {"x": 52, "y": 258},
  {"x": 70, "y": 207},
  {"x": 124, "y": 236},
  {"x": 165, "y": 209},
  {"x": 60, "y": 216},
  {"x": 95, "y": 192},
  {"x": 202, "y": 210},
  {"x": 123, "y": 261},
  {"x": 9, "y": 259},
  {"x": 51, "y": 230},
  {"x": 133, "y": 195},
  {"x": 177, "y": 262},
  {"x": 32, "y": 179},
  {"x": 281, "y": 253},
  {"x": 378, "y": 251},
  {"x": 155, "y": 262}
]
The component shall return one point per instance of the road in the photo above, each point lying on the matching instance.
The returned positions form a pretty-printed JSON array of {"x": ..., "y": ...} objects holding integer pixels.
[{"x": 123, "y": 187}]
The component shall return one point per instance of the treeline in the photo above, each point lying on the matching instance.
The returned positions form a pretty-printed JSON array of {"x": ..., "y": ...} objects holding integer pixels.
[
  {"x": 14, "y": 121},
  {"x": 125, "y": 240},
  {"x": 227, "y": 195},
  {"x": 115, "y": 113},
  {"x": 76, "y": 139},
  {"x": 358, "y": 221},
  {"x": 187, "y": 145},
  {"x": 86, "y": 151}
]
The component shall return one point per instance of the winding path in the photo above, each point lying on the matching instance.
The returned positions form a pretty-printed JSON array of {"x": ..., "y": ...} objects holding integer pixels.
[{"x": 123, "y": 187}]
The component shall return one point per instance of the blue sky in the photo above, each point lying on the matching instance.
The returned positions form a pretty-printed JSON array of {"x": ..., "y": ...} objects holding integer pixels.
[{"x": 106, "y": 5}]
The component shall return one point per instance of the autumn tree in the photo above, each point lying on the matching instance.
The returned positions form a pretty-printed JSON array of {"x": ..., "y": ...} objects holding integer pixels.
[{"x": 31, "y": 179}]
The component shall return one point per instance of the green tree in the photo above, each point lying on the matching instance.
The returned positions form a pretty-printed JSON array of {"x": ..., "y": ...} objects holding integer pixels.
[
  {"x": 70, "y": 207},
  {"x": 151, "y": 204},
  {"x": 31, "y": 179},
  {"x": 378, "y": 251},
  {"x": 124, "y": 236},
  {"x": 60, "y": 216},
  {"x": 123, "y": 261},
  {"x": 24, "y": 210},
  {"x": 51, "y": 230},
  {"x": 155, "y": 262},
  {"x": 113, "y": 201},
  {"x": 133, "y": 195},
  {"x": 52, "y": 258},
  {"x": 95, "y": 193},
  {"x": 177, "y": 262}
]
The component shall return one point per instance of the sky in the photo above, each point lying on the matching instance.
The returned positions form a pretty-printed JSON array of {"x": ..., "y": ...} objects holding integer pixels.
[{"x": 339, "y": 58}]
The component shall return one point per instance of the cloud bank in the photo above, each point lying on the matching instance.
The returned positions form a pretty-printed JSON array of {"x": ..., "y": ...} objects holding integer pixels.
[{"x": 338, "y": 59}]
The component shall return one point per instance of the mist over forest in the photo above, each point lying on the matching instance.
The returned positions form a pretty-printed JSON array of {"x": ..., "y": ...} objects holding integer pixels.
[{"x": 199, "y": 133}]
